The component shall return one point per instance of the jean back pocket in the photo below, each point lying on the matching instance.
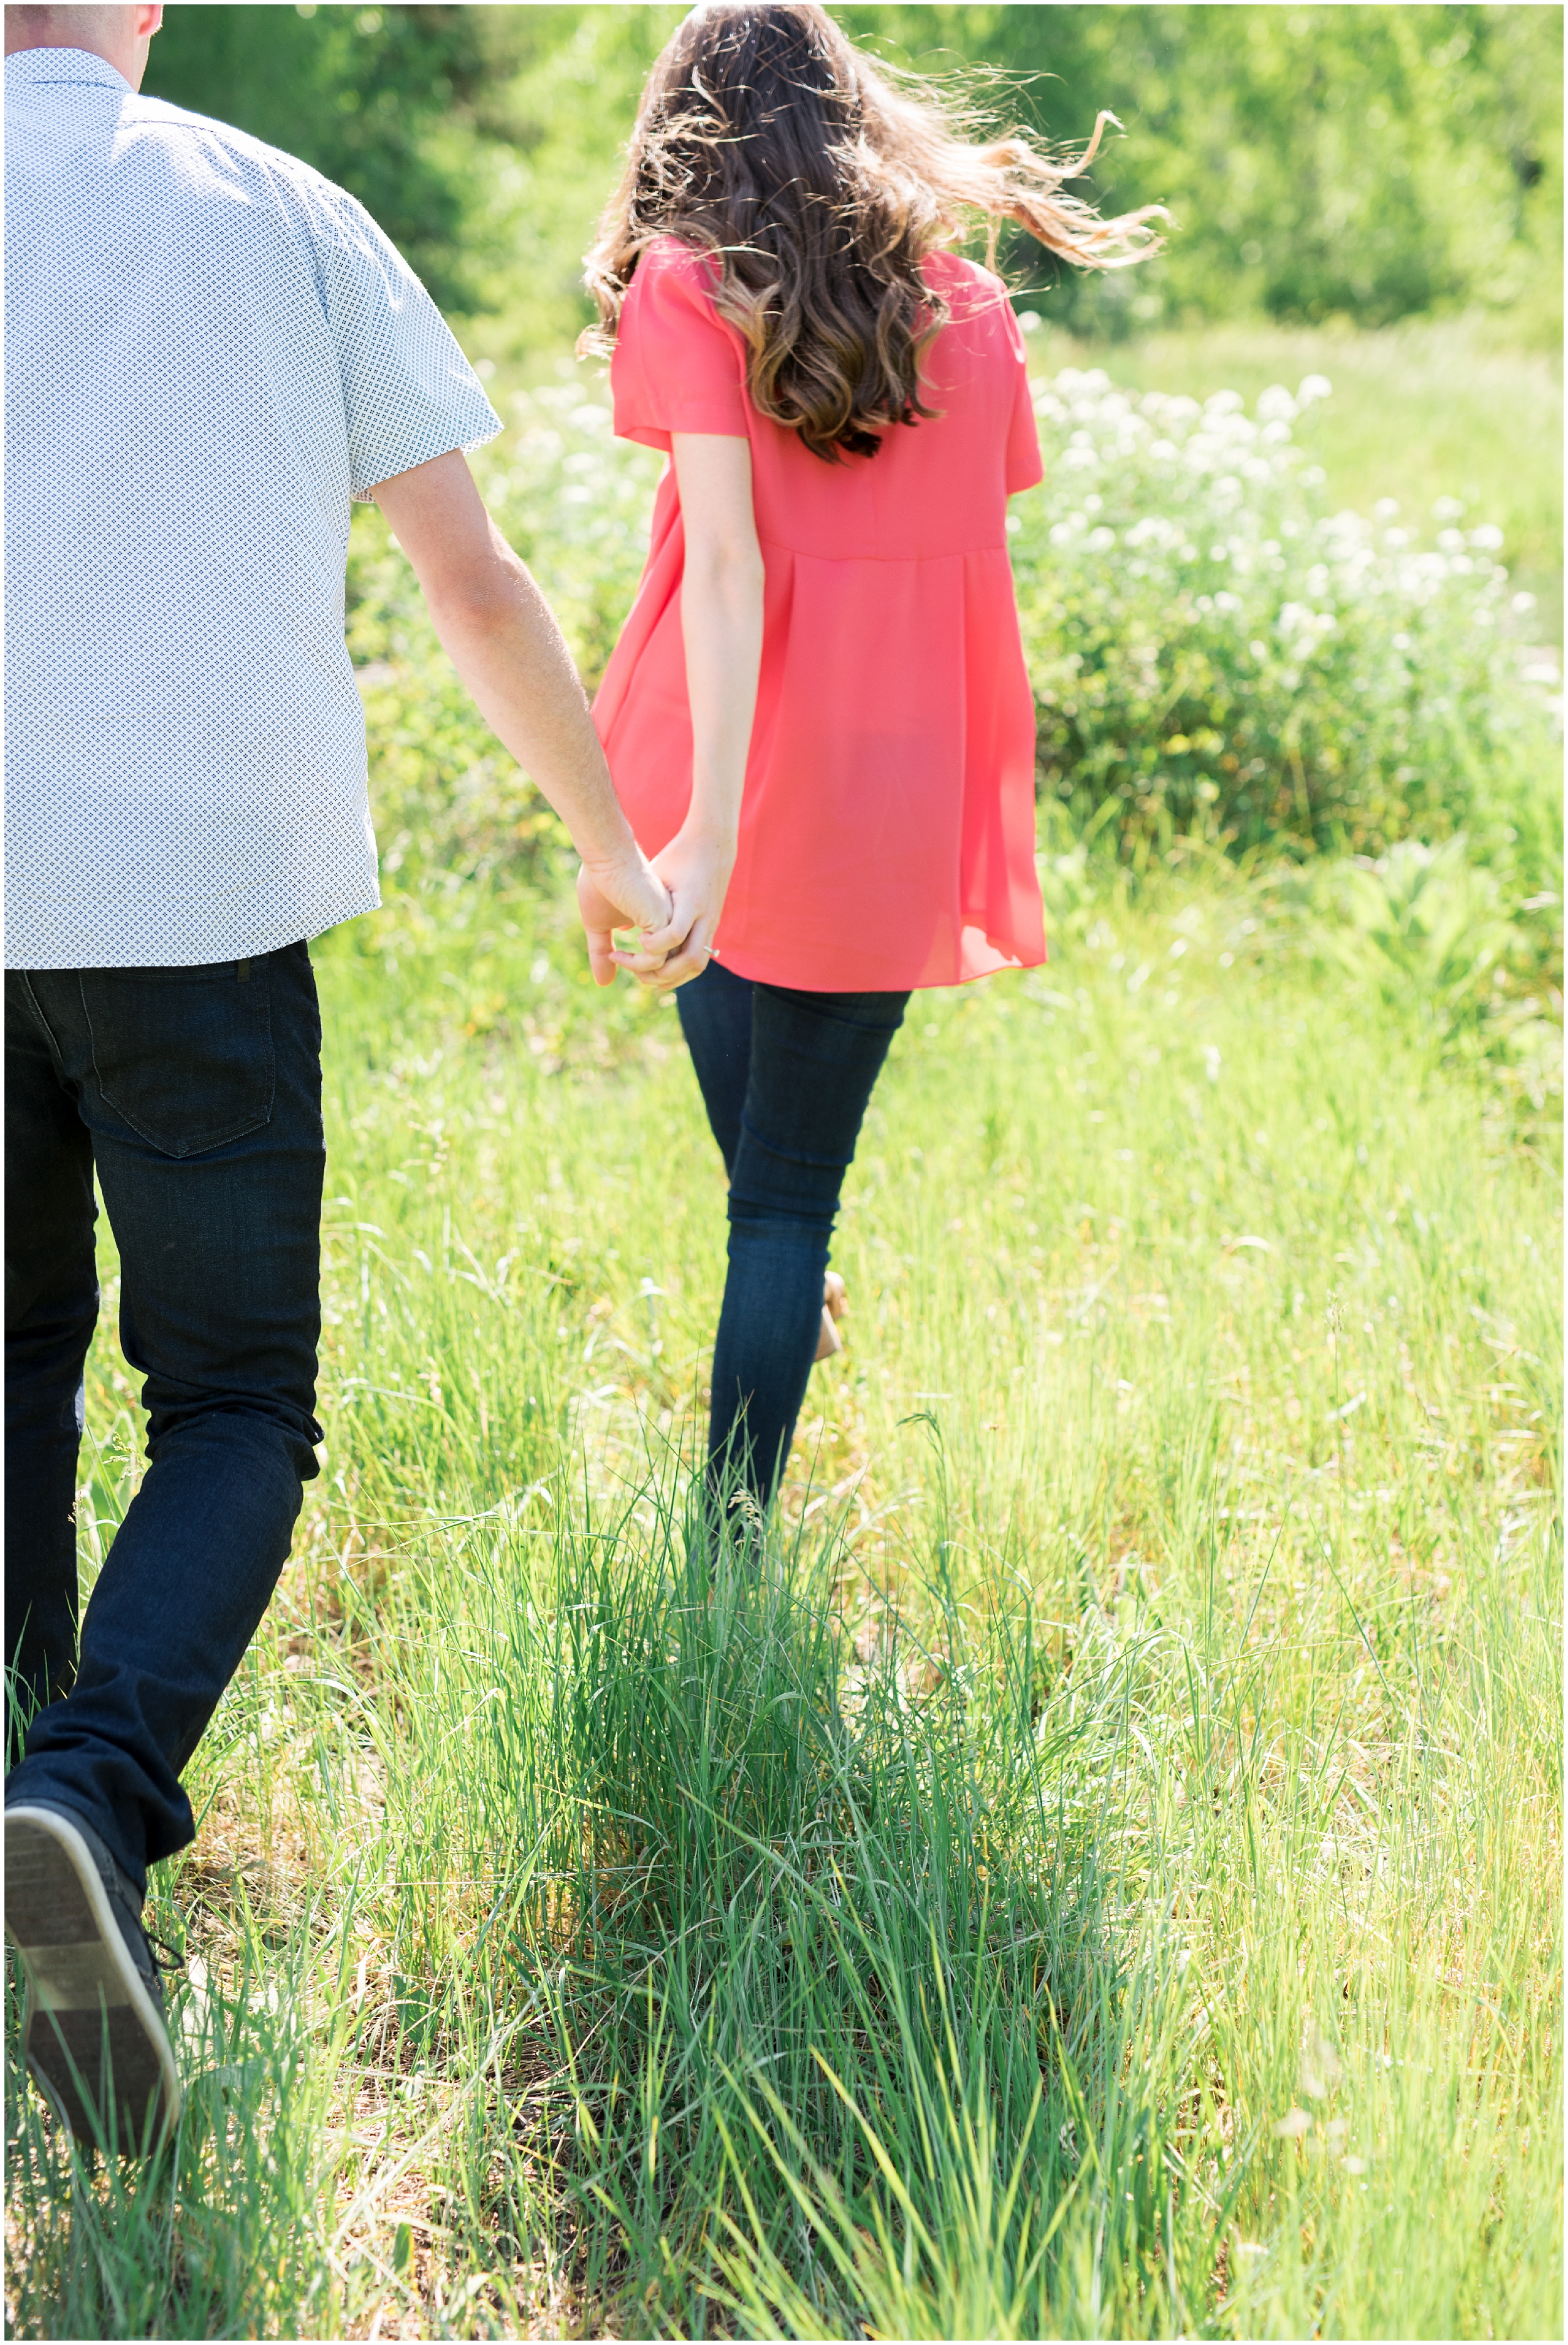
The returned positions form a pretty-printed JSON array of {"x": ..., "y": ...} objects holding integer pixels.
[{"x": 184, "y": 1056}]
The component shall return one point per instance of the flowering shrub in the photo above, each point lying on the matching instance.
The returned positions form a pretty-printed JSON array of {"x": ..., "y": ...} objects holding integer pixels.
[{"x": 1214, "y": 655}]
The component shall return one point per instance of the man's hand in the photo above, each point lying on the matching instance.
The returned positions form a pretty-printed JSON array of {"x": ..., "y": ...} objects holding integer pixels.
[
  {"x": 695, "y": 868},
  {"x": 629, "y": 896}
]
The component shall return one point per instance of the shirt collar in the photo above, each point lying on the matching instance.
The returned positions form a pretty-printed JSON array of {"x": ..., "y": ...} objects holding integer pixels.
[{"x": 36, "y": 68}]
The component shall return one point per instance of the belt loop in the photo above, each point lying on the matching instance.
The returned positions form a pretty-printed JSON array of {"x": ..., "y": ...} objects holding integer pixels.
[{"x": 242, "y": 970}]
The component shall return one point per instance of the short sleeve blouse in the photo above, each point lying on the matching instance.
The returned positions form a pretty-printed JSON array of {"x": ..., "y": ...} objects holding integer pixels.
[{"x": 888, "y": 828}]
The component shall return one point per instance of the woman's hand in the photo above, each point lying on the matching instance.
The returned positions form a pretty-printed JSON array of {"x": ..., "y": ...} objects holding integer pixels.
[
  {"x": 695, "y": 867},
  {"x": 628, "y": 894}
]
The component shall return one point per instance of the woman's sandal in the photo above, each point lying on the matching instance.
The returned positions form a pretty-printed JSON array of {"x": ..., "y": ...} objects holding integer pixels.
[{"x": 835, "y": 1304}]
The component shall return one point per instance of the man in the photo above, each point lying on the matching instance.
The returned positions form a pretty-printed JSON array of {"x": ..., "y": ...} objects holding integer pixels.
[{"x": 210, "y": 352}]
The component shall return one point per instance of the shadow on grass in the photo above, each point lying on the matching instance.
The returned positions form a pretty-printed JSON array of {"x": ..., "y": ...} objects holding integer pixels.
[
  {"x": 734, "y": 1984},
  {"x": 840, "y": 2038}
]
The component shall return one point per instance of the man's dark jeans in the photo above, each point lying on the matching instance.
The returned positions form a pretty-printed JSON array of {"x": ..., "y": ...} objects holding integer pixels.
[
  {"x": 785, "y": 1078},
  {"x": 196, "y": 1096}
]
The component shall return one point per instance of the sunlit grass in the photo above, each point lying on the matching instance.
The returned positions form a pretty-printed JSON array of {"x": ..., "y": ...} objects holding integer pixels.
[{"x": 1103, "y": 1877}]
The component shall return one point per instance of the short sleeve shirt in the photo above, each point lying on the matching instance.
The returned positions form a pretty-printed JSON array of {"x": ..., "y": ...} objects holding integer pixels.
[{"x": 210, "y": 352}]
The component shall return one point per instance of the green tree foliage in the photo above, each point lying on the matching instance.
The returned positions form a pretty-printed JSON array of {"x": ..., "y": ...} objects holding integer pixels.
[{"x": 1370, "y": 162}]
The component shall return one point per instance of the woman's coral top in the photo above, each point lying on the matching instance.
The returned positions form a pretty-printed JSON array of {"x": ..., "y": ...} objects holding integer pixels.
[{"x": 887, "y": 825}]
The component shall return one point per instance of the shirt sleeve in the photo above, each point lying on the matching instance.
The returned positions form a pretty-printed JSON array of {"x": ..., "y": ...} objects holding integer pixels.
[
  {"x": 677, "y": 366},
  {"x": 409, "y": 393},
  {"x": 1023, "y": 467}
]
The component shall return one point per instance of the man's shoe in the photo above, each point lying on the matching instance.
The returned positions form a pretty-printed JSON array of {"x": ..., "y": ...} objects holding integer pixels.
[{"x": 92, "y": 2034}]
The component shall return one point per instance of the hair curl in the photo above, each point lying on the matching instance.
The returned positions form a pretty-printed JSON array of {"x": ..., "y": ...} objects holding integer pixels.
[{"x": 765, "y": 139}]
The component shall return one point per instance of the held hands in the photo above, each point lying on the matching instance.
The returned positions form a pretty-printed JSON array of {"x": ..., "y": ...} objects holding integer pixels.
[
  {"x": 625, "y": 894},
  {"x": 696, "y": 869}
]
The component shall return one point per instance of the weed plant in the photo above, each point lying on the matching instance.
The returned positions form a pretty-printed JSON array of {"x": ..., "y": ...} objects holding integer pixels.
[{"x": 1094, "y": 1871}]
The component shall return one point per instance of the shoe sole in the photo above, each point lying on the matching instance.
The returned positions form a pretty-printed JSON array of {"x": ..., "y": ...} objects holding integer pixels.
[{"x": 92, "y": 2034}]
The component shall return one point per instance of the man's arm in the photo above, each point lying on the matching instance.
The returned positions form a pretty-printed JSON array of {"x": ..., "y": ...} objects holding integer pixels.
[{"x": 503, "y": 639}]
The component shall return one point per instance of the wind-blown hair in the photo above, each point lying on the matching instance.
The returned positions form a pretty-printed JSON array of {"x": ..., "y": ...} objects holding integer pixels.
[{"x": 765, "y": 139}]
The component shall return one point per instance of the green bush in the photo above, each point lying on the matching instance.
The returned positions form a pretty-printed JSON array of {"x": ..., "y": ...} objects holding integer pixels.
[
  {"x": 1215, "y": 655},
  {"x": 1433, "y": 936}
]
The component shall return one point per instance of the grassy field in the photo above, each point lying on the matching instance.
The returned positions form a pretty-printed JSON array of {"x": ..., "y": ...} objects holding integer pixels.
[{"x": 1103, "y": 1878}]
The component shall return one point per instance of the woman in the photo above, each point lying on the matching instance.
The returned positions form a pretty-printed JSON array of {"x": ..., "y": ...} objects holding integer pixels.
[{"x": 818, "y": 711}]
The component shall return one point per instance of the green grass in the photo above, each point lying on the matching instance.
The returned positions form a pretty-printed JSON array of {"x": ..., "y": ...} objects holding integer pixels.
[
  {"x": 1431, "y": 408},
  {"x": 1102, "y": 1878}
]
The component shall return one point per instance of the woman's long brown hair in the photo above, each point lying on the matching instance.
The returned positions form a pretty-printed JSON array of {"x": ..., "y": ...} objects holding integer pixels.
[{"x": 767, "y": 140}]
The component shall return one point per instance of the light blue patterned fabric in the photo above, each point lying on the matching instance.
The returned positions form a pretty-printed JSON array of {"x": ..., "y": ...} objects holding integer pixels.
[{"x": 210, "y": 351}]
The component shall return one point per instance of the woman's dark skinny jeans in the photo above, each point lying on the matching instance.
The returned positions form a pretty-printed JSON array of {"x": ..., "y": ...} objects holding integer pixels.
[{"x": 785, "y": 1078}]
